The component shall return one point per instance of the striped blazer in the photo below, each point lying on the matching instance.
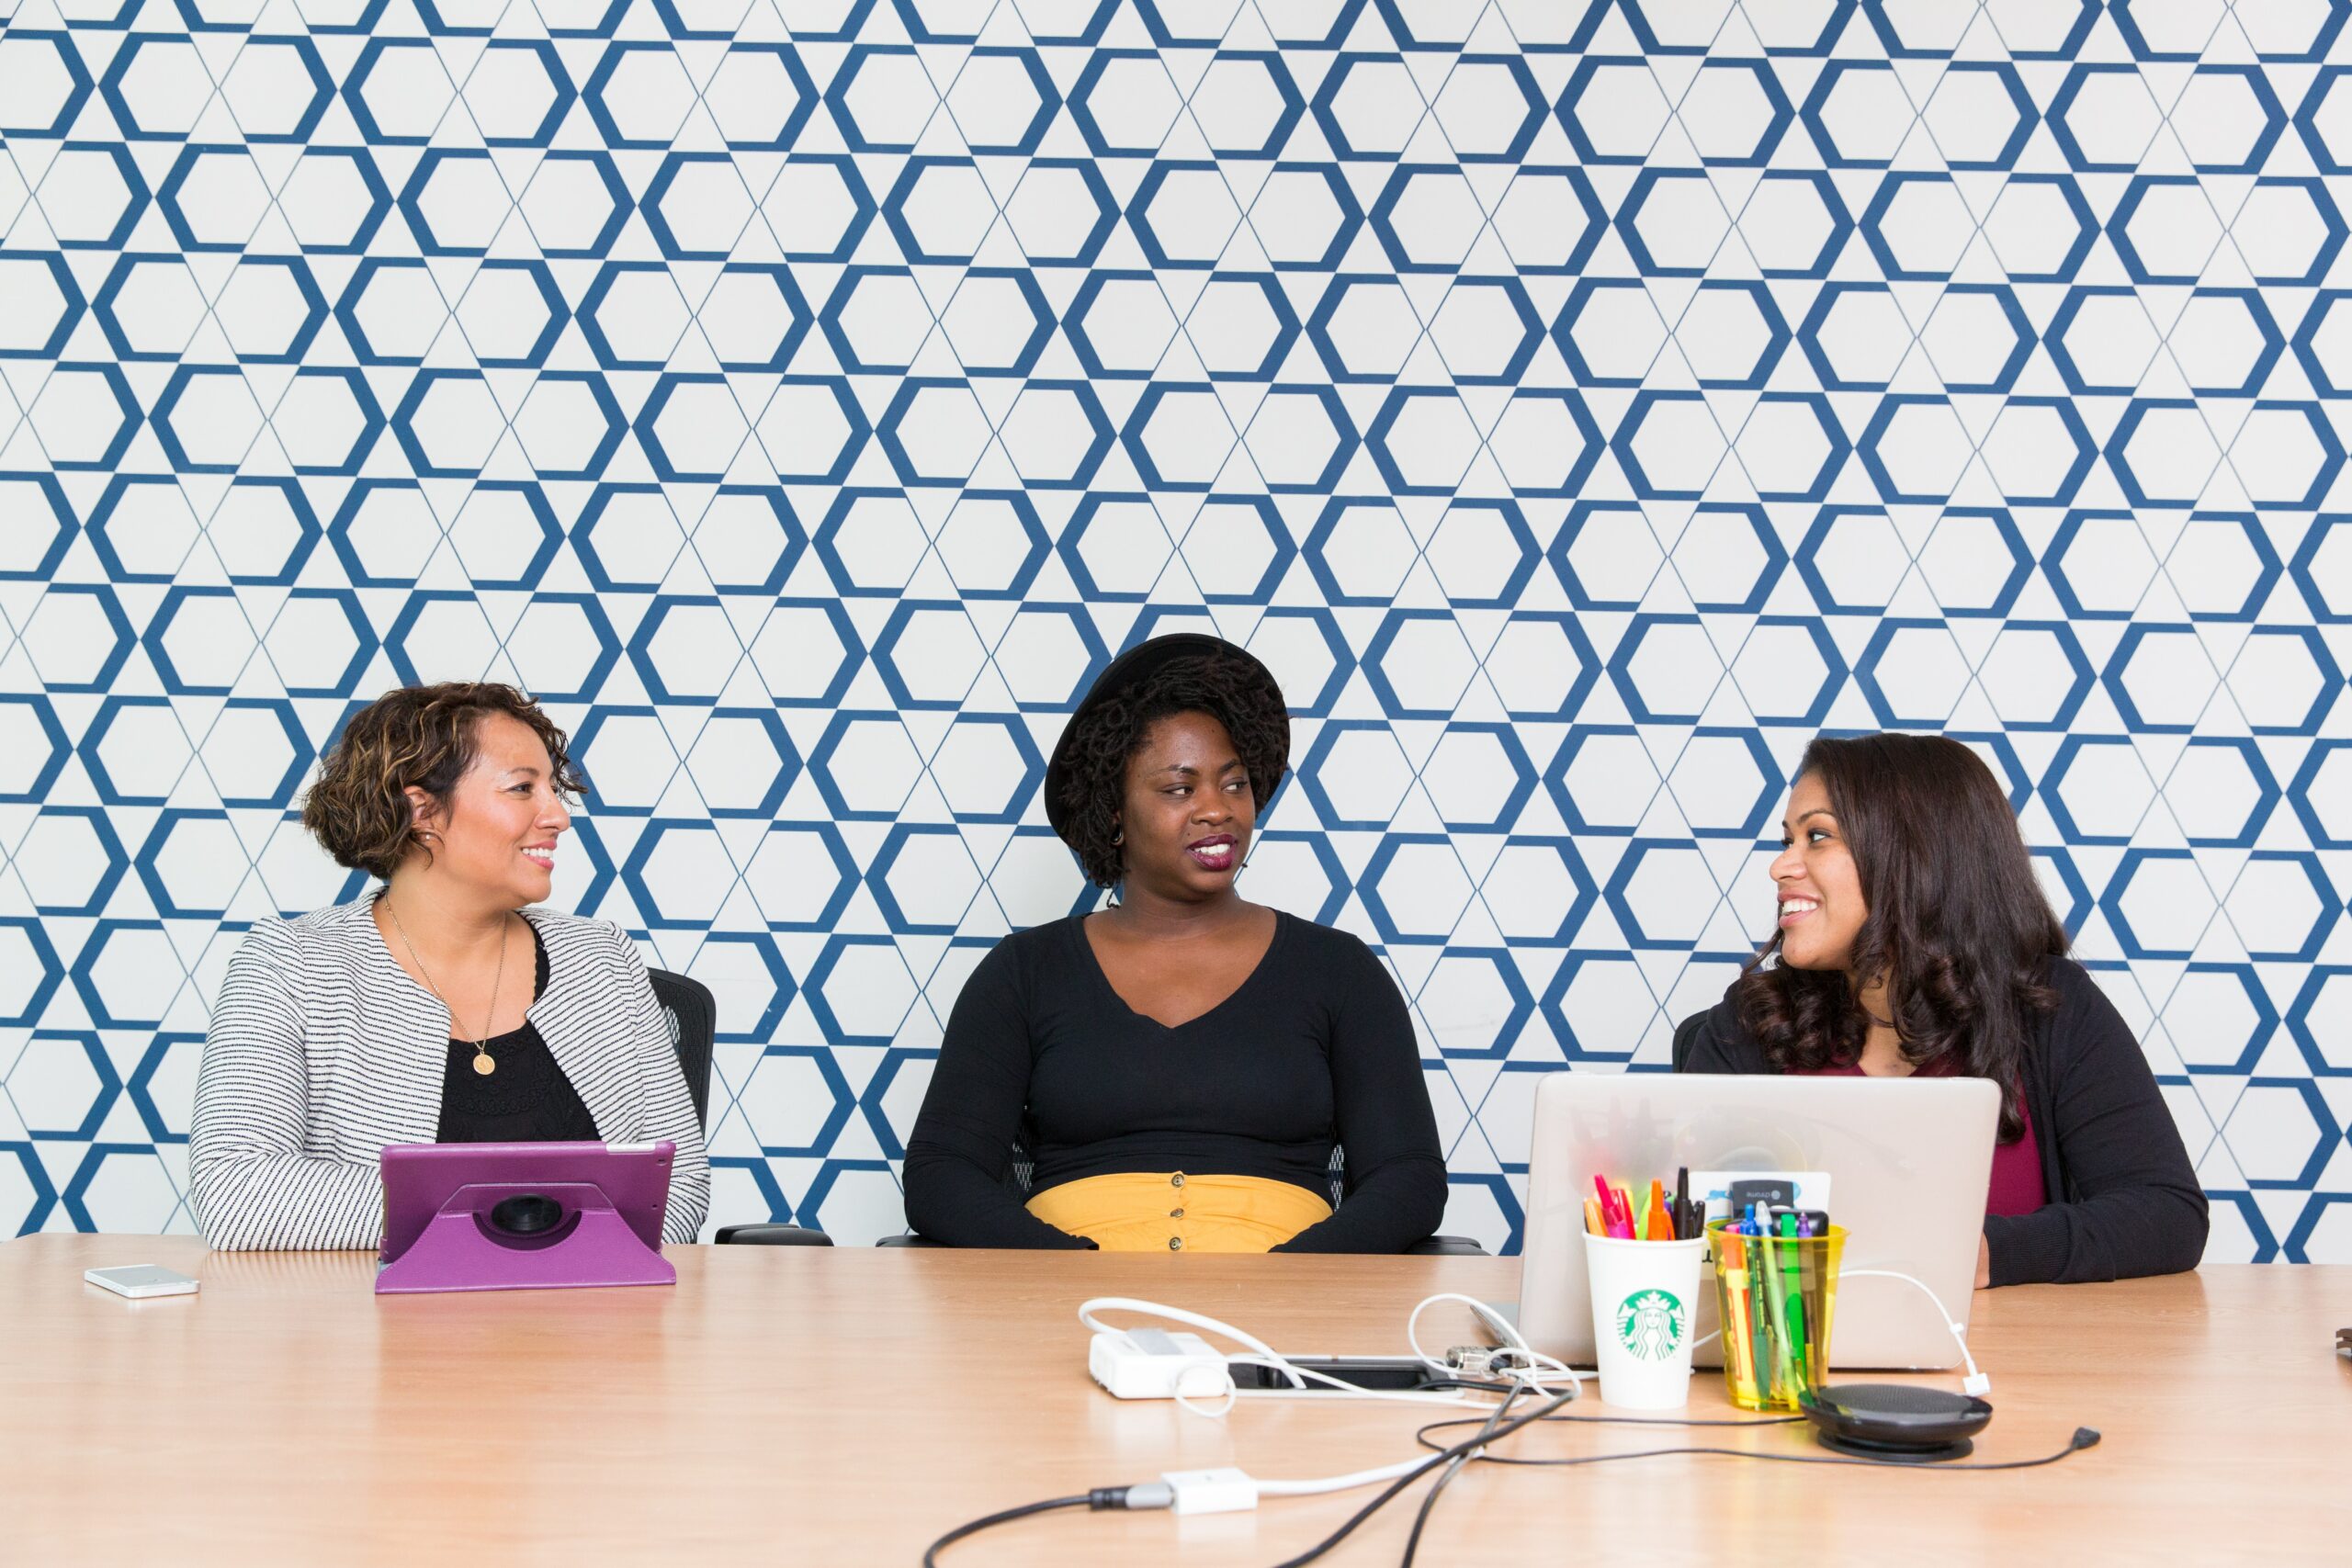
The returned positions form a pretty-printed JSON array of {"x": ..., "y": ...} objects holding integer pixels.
[{"x": 321, "y": 1051}]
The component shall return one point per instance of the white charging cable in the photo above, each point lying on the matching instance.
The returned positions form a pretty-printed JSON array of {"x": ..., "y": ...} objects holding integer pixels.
[
  {"x": 1525, "y": 1364},
  {"x": 1339, "y": 1482},
  {"x": 1223, "y": 1490},
  {"x": 1530, "y": 1365},
  {"x": 1087, "y": 1309},
  {"x": 1975, "y": 1383}
]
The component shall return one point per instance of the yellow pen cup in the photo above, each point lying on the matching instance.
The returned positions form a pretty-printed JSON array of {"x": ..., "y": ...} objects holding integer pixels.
[{"x": 1776, "y": 1298}]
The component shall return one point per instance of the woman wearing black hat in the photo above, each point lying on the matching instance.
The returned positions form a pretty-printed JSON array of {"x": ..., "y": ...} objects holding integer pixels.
[{"x": 1180, "y": 1065}]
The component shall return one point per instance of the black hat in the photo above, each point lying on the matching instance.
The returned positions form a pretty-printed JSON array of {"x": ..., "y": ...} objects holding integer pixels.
[{"x": 1132, "y": 668}]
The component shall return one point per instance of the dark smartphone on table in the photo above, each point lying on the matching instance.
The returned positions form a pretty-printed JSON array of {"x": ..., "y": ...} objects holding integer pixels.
[{"x": 1386, "y": 1374}]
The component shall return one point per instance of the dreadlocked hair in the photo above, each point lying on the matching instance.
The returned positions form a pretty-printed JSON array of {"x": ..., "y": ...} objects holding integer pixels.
[{"x": 1104, "y": 740}]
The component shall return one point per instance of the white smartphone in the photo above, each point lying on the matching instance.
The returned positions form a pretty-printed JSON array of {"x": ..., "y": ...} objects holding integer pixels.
[{"x": 139, "y": 1280}]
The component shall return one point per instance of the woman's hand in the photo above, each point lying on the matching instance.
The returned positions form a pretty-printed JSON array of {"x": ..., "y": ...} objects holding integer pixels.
[{"x": 1984, "y": 1263}]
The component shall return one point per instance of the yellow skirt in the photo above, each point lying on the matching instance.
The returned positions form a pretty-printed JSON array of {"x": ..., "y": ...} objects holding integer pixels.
[{"x": 1173, "y": 1211}]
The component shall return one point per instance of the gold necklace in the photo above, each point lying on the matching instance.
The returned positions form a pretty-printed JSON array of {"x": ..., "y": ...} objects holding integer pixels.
[{"x": 482, "y": 1063}]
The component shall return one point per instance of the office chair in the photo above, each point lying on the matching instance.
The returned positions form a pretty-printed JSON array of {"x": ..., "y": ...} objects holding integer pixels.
[
  {"x": 1686, "y": 1039},
  {"x": 1017, "y": 1177},
  {"x": 689, "y": 1010},
  {"x": 693, "y": 1016}
]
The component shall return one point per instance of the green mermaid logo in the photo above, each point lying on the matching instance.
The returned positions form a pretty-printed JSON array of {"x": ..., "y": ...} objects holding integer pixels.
[{"x": 1650, "y": 1325}]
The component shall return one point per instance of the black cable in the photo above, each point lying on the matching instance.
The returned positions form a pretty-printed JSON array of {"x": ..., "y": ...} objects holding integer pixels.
[
  {"x": 2084, "y": 1437},
  {"x": 1429, "y": 1498},
  {"x": 1624, "y": 1421},
  {"x": 1394, "y": 1488},
  {"x": 1493, "y": 1429},
  {"x": 1116, "y": 1496},
  {"x": 1094, "y": 1499},
  {"x": 1475, "y": 1385},
  {"x": 1429, "y": 1385}
]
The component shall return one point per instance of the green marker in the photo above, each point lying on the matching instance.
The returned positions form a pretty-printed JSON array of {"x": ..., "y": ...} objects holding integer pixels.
[
  {"x": 1780, "y": 1332},
  {"x": 1795, "y": 1277},
  {"x": 1759, "y": 1332}
]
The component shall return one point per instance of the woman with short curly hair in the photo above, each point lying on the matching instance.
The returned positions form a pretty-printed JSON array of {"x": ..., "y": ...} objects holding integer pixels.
[
  {"x": 445, "y": 1007},
  {"x": 1177, "y": 1068},
  {"x": 1913, "y": 938}
]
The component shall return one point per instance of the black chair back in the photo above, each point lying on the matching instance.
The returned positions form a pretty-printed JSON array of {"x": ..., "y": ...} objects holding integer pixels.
[
  {"x": 692, "y": 1014},
  {"x": 1686, "y": 1037}
]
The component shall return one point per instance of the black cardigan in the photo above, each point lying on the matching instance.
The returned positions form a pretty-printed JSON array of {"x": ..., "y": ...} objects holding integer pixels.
[
  {"x": 2123, "y": 1198},
  {"x": 1316, "y": 1047}
]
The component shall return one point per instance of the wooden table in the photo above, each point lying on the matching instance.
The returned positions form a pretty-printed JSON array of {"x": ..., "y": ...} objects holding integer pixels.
[{"x": 845, "y": 1406}]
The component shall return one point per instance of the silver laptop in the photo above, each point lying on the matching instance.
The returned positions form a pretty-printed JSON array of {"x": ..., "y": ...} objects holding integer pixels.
[{"x": 1909, "y": 1161}]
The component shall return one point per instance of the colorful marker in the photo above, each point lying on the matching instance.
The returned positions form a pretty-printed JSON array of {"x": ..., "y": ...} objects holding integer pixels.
[
  {"x": 1792, "y": 1273},
  {"x": 1737, "y": 1335}
]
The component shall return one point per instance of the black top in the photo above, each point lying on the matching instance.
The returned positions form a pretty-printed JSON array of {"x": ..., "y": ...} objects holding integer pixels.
[
  {"x": 2123, "y": 1198},
  {"x": 527, "y": 1100},
  {"x": 1315, "y": 1048}
]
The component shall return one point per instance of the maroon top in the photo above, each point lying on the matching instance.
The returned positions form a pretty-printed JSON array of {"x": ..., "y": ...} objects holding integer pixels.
[
  {"x": 2120, "y": 1199},
  {"x": 2017, "y": 1187}
]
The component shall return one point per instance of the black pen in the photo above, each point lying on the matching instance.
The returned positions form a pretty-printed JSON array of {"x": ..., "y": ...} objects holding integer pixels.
[{"x": 1683, "y": 1204}]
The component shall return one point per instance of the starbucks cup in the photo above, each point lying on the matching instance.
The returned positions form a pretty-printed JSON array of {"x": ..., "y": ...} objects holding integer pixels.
[{"x": 1645, "y": 1311}]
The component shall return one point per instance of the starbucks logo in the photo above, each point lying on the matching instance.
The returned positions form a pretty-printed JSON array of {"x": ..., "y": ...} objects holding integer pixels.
[{"x": 1650, "y": 1325}]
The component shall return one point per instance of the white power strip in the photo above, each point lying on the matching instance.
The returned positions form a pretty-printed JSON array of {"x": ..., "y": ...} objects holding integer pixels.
[{"x": 1150, "y": 1363}]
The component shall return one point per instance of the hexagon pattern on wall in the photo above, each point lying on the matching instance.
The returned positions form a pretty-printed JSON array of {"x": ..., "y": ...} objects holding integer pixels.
[{"x": 1577, "y": 406}]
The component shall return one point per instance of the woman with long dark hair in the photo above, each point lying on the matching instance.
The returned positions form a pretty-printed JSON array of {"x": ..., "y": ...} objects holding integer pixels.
[{"x": 1913, "y": 938}]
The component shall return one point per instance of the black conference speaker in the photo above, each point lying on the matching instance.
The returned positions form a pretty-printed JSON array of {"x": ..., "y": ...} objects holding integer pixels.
[{"x": 1907, "y": 1423}]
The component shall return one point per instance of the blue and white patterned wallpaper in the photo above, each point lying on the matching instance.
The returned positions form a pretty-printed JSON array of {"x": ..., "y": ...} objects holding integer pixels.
[{"x": 1579, "y": 405}]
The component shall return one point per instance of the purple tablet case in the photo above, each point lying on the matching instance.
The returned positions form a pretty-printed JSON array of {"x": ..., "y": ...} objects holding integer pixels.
[{"x": 443, "y": 1229}]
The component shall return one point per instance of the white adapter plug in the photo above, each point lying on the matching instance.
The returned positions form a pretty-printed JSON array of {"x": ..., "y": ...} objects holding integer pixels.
[
  {"x": 1210, "y": 1491},
  {"x": 1149, "y": 1363}
]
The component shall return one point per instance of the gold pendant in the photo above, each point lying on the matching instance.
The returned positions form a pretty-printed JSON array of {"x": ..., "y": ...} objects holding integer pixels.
[{"x": 482, "y": 1063}]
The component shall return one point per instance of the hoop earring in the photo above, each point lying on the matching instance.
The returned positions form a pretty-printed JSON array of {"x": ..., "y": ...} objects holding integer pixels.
[{"x": 1118, "y": 837}]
